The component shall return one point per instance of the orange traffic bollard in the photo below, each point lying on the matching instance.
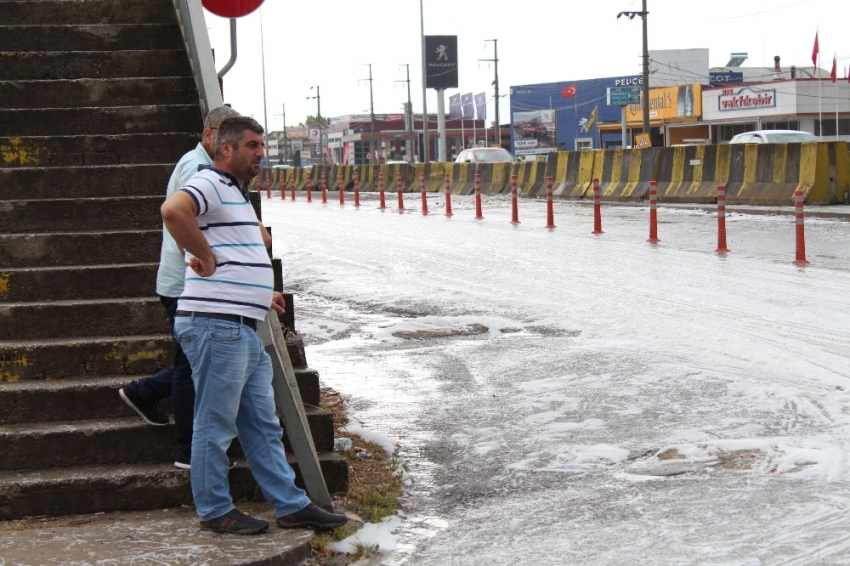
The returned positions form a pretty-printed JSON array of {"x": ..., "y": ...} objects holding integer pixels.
[
  {"x": 478, "y": 215},
  {"x": 653, "y": 214},
  {"x": 721, "y": 220},
  {"x": 448, "y": 182},
  {"x": 356, "y": 188},
  {"x": 801, "y": 235},
  {"x": 424, "y": 196},
  {"x": 514, "y": 203},
  {"x": 381, "y": 189},
  {"x": 324, "y": 189},
  {"x": 341, "y": 186},
  {"x": 399, "y": 188},
  {"x": 550, "y": 204},
  {"x": 597, "y": 208}
]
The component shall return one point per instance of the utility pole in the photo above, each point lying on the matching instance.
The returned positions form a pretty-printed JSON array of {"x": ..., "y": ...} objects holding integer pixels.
[
  {"x": 263, "y": 63},
  {"x": 318, "y": 99},
  {"x": 426, "y": 153},
  {"x": 283, "y": 151},
  {"x": 372, "y": 141},
  {"x": 408, "y": 115},
  {"x": 497, "y": 134},
  {"x": 645, "y": 89}
]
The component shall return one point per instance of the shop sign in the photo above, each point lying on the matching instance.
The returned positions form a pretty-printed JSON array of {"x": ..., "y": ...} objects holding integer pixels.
[
  {"x": 669, "y": 102},
  {"x": 623, "y": 96},
  {"x": 629, "y": 81},
  {"x": 725, "y": 77},
  {"x": 525, "y": 143},
  {"x": 745, "y": 99}
]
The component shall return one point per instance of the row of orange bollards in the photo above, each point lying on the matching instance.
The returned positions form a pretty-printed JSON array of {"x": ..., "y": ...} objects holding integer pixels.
[{"x": 800, "y": 258}]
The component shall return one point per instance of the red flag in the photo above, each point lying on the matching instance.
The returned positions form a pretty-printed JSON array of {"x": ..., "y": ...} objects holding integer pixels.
[
  {"x": 815, "y": 51},
  {"x": 834, "y": 74},
  {"x": 569, "y": 91}
]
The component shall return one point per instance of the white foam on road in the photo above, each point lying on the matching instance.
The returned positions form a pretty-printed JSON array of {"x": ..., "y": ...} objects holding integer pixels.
[{"x": 702, "y": 402}]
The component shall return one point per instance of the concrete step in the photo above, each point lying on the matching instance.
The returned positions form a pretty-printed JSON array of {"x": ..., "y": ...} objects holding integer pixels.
[
  {"x": 93, "y": 489},
  {"x": 54, "y": 65},
  {"x": 79, "y": 248},
  {"x": 85, "y": 397},
  {"x": 99, "y": 121},
  {"x": 66, "y": 215},
  {"x": 108, "y": 441},
  {"x": 65, "y": 400},
  {"x": 98, "y": 37},
  {"x": 65, "y": 319},
  {"x": 74, "y": 182},
  {"x": 97, "y": 92},
  {"x": 49, "y": 12},
  {"x": 58, "y": 358},
  {"x": 77, "y": 282},
  {"x": 308, "y": 385},
  {"x": 75, "y": 151}
]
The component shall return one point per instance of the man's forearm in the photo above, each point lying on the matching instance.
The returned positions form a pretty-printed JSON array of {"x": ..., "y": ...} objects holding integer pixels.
[{"x": 181, "y": 224}]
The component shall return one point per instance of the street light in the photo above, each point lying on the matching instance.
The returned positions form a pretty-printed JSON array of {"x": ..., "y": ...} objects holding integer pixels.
[
  {"x": 645, "y": 98},
  {"x": 318, "y": 99}
]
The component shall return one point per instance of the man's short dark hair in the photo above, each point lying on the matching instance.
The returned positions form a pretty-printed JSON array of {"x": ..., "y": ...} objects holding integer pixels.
[{"x": 231, "y": 130}]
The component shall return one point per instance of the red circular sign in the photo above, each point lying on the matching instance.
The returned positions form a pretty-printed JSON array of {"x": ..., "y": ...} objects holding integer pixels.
[{"x": 231, "y": 8}]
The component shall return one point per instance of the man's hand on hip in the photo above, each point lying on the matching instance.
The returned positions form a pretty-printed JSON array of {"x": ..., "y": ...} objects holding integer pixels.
[{"x": 278, "y": 304}]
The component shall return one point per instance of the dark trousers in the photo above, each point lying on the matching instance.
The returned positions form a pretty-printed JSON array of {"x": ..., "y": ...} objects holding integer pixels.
[{"x": 174, "y": 382}]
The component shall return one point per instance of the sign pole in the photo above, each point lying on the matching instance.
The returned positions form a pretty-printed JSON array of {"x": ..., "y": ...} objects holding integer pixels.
[
  {"x": 623, "y": 125},
  {"x": 441, "y": 125}
]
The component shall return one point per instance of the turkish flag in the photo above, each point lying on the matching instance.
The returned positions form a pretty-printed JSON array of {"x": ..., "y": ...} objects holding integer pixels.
[
  {"x": 569, "y": 91},
  {"x": 815, "y": 51},
  {"x": 834, "y": 74}
]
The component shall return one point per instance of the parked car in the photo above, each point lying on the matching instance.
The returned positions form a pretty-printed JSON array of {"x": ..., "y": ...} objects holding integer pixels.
[
  {"x": 774, "y": 136},
  {"x": 485, "y": 155}
]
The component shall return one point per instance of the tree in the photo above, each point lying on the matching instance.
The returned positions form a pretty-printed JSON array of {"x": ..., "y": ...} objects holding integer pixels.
[{"x": 313, "y": 121}]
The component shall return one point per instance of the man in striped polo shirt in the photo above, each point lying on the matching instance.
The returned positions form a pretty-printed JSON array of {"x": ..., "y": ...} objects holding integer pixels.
[{"x": 228, "y": 288}]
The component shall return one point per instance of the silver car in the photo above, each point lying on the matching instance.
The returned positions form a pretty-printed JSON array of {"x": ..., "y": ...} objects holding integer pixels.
[{"x": 774, "y": 136}]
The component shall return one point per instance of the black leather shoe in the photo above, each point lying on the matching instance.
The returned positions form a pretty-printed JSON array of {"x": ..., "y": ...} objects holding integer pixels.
[
  {"x": 236, "y": 523},
  {"x": 312, "y": 517}
]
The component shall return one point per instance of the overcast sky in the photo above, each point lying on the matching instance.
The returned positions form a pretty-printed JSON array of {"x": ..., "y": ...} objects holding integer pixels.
[{"x": 328, "y": 43}]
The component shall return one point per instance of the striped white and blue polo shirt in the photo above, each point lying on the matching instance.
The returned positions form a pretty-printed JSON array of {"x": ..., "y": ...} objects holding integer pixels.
[{"x": 243, "y": 280}]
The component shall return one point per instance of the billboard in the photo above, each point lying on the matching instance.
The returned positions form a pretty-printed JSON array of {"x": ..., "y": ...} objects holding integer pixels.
[
  {"x": 534, "y": 132},
  {"x": 441, "y": 61},
  {"x": 667, "y": 103}
]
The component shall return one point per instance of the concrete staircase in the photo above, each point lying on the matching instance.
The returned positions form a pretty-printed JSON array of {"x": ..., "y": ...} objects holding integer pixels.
[{"x": 98, "y": 103}]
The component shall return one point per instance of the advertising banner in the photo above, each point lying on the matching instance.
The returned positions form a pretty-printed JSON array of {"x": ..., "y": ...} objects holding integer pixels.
[
  {"x": 534, "y": 132},
  {"x": 481, "y": 105},
  {"x": 667, "y": 103},
  {"x": 468, "y": 108},
  {"x": 441, "y": 61},
  {"x": 455, "y": 112}
]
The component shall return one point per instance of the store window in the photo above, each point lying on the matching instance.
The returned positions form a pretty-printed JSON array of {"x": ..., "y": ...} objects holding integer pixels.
[
  {"x": 789, "y": 125},
  {"x": 728, "y": 131},
  {"x": 584, "y": 143},
  {"x": 829, "y": 127}
]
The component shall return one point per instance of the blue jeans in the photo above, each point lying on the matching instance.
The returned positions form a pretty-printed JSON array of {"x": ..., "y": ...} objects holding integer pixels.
[
  {"x": 174, "y": 382},
  {"x": 233, "y": 398}
]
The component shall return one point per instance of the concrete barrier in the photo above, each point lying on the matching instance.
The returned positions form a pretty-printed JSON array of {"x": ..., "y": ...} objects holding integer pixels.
[
  {"x": 433, "y": 176},
  {"x": 839, "y": 172},
  {"x": 495, "y": 177},
  {"x": 531, "y": 178},
  {"x": 572, "y": 173},
  {"x": 692, "y": 173},
  {"x": 769, "y": 174},
  {"x": 624, "y": 174},
  {"x": 462, "y": 177}
]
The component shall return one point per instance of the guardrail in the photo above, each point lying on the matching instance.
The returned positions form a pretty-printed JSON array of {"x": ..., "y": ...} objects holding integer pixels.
[{"x": 190, "y": 15}]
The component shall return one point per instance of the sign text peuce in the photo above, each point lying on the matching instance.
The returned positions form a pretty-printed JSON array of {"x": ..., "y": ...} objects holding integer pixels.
[{"x": 746, "y": 98}]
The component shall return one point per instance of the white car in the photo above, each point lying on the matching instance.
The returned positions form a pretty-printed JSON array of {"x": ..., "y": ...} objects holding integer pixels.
[
  {"x": 774, "y": 136},
  {"x": 485, "y": 155}
]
